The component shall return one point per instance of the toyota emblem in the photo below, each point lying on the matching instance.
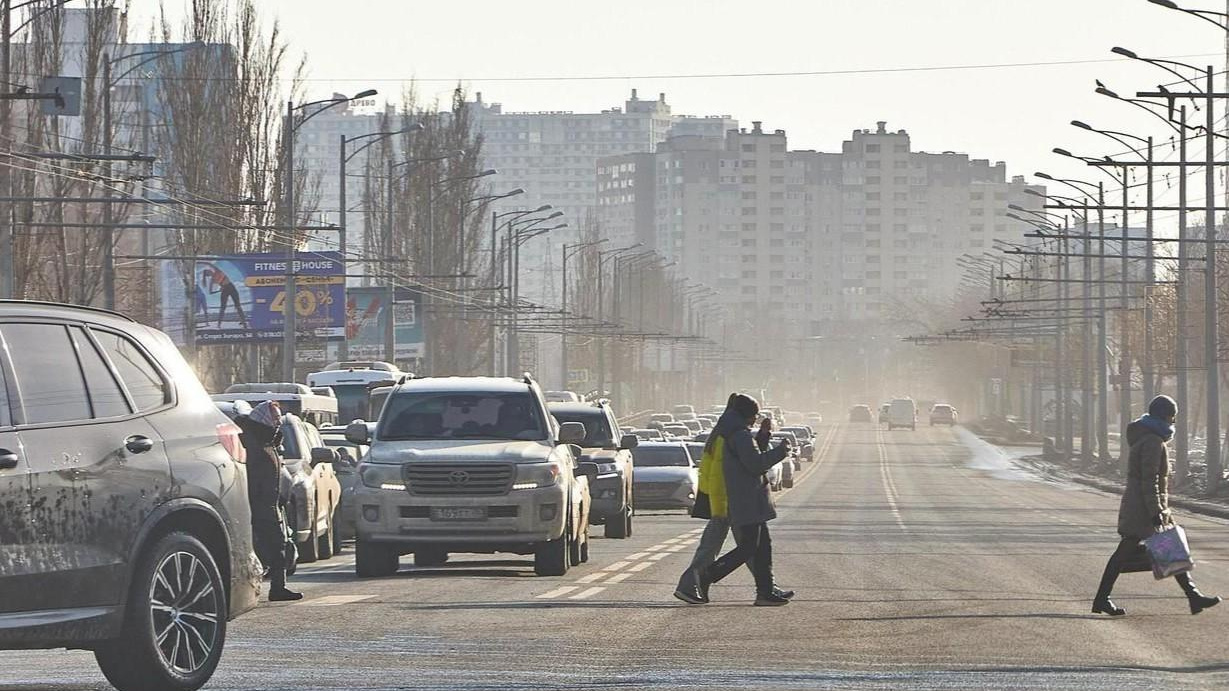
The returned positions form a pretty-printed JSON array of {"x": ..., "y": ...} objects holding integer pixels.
[{"x": 458, "y": 477}]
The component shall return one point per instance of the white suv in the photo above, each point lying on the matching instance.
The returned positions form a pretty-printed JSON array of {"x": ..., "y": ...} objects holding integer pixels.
[{"x": 470, "y": 464}]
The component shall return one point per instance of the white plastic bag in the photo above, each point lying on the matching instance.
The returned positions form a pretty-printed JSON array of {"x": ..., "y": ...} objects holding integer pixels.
[{"x": 1170, "y": 552}]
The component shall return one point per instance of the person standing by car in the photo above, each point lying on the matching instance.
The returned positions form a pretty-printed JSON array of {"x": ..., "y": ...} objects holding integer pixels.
[
  {"x": 1144, "y": 508},
  {"x": 261, "y": 438},
  {"x": 745, "y": 469}
]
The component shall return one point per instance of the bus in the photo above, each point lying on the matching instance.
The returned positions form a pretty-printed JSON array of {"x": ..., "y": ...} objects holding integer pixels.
[
  {"x": 352, "y": 383},
  {"x": 314, "y": 408}
]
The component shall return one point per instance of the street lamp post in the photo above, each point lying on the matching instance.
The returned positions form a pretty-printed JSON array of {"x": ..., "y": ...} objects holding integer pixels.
[
  {"x": 517, "y": 239},
  {"x": 568, "y": 252},
  {"x": 602, "y": 256}
]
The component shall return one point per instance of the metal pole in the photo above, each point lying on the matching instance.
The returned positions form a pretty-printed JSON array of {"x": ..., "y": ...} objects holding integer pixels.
[
  {"x": 495, "y": 265},
  {"x": 1060, "y": 384},
  {"x": 1183, "y": 431},
  {"x": 1211, "y": 341},
  {"x": 7, "y": 266},
  {"x": 289, "y": 316},
  {"x": 390, "y": 291},
  {"x": 1124, "y": 347},
  {"x": 514, "y": 339},
  {"x": 1150, "y": 274},
  {"x": 343, "y": 348},
  {"x": 428, "y": 355},
  {"x": 601, "y": 320},
  {"x": 563, "y": 333},
  {"x": 1088, "y": 433},
  {"x": 108, "y": 232},
  {"x": 1103, "y": 414},
  {"x": 509, "y": 347}
]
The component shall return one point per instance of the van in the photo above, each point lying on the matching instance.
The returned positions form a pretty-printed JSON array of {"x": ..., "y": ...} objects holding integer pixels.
[{"x": 902, "y": 412}]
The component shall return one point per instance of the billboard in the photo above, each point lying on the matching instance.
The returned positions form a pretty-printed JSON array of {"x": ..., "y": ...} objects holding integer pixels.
[
  {"x": 242, "y": 298},
  {"x": 367, "y": 319}
]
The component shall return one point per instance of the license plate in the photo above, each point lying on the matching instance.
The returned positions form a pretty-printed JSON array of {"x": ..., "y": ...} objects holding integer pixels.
[{"x": 458, "y": 514}]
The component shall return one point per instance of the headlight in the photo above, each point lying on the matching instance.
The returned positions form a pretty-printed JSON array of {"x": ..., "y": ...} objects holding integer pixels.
[
  {"x": 380, "y": 476},
  {"x": 535, "y": 475}
]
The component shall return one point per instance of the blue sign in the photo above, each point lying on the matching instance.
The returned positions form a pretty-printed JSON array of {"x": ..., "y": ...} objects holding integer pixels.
[{"x": 242, "y": 298}]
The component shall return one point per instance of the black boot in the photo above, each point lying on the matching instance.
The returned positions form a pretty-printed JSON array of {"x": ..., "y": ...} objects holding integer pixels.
[
  {"x": 1197, "y": 600},
  {"x": 1104, "y": 605},
  {"x": 771, "y": 599},
  {"x": 278, "y": 592},
  {"x": 690, "y": 590}
]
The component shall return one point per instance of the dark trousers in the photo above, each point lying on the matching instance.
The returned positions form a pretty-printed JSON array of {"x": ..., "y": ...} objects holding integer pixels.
[
  {"x": 1132, "y": 557},
  {"x": 754, "y": 548},
  {"x": 269, "y": 540}
]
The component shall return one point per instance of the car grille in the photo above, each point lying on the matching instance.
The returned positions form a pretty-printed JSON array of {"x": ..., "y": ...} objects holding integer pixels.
[
  {"x": 656, "y": 490},
  {"x": 458, "y": 479}
]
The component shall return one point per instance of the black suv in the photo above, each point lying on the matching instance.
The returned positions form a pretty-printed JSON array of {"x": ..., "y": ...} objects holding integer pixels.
[
  {"x": 612, "y": 488},
  {"x": 124, "y": 520}
]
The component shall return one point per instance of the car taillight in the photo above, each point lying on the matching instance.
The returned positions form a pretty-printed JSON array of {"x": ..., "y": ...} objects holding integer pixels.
[{"x": 228, "y": 434}]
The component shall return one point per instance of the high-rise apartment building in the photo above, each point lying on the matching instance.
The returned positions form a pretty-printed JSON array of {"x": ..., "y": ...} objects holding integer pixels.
[{"x": 819, "y": 242}]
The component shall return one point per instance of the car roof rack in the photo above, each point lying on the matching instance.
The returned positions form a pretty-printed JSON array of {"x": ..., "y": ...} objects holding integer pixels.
[
  {"x": 408, "y": 376},
  {"x": 528, "y": 379},
  {"x": 85, "y": 308}
]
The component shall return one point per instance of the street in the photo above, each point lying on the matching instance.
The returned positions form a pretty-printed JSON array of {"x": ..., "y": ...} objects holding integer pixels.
[{"x": 914, "y": 569}]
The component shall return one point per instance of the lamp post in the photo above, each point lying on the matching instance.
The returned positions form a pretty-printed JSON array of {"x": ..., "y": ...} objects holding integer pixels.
[
  {"x": 568, "y": 252},
  {"x": 517, "y": 239},
  {"x": 602, "y": 257},
  {"x": 496, "y": 277},
  {"x": 289, "y": 317}
]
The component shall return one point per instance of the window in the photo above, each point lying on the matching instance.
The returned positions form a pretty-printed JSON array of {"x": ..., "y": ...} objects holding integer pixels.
[
  {"x": 144, "y": 383},
  {"x": 106, "y": 397},
  {"x": 462, "y": 415},
  {"x": 52, "y": 389},
  {"x": 872, "y": 148}
]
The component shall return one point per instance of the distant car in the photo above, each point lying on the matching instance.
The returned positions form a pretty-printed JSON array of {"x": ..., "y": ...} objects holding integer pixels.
[
  {"x": 611, "y": 488},
  {"x": 861, "y": 413},
  {"x": 902, "y": 413},
  {"x": 806, "y": 440},
  {"x": 661, "y": 418},
  {"x": 942, "y": 414},
  {"x": 693, "y": 426},
  {"x": 814, "y": 419},
  {"x": 883, "y": 413},
  {"x": 678, "y": 430},
  {"x": 666, "y": 476},
  {"x": 696, "y": 449},
  {"x": 648, "y": 434},
  {"x": 683, "y": 412},
  {"x": 705, "y": 423},
  {"x": 562, "y": 397},
  {"x": 795, "y": 447}
]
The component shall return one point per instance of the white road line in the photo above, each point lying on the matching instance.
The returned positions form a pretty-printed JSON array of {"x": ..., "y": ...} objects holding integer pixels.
[
  {"x": 558, "y": 592},
  {"x": 889, "y": 487},
  {"x": 640, "y": 567},
  {"x": 659, "y": 556},
  {"x": 592, "y": 577},
  {"x": 619, "y": 577},
  {"x": 585, "y": 594},
  {"x": 336, "y": 600},
  {"x": 616, "y": 566},
  {"x": 637, "y": 555}
]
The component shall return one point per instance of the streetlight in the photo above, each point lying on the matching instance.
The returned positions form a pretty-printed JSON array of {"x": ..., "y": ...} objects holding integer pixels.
[
  {"x": 568, "y": 252},
  {"x": 290, "y": 301},
  {"x": 517, "y": 239},
  {"x": 602, "y": 257}
]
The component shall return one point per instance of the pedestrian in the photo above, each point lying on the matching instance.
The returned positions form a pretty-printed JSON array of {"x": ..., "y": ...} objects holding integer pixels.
[
  {"x": 1144, "y": 508},
  {"x": 744, "y": 468},
  {"x": 261, "y": 438}
]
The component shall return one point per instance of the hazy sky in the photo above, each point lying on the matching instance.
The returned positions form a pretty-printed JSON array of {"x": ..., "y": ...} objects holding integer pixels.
[{"x": 1015, "y": 114}]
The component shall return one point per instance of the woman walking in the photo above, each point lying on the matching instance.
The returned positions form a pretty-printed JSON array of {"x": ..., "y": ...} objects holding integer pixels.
[
  {"x": 261, "y": 438},
  {"x": 1145, "y": 506}
]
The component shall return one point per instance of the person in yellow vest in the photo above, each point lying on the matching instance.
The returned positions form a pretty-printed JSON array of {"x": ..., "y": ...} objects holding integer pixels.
[{"x": 713, "y": 504}]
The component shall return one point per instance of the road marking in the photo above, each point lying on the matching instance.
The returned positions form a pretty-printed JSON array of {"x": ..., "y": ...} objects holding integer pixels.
[
  {"x": 637, "y": 555},
  {"x": 889, "y": 486},
  {"x": 641, "y": 566},
  {"x": 585, "y": 594},
  {"x": 592, "y": 577},
  {"x": 659, "y": 556},
  {"x": 619, "y": 577},
  {"x": 558, "y": 592},
  {"x": 616, "y": 566},
  {"x": 336, "y": 600}
]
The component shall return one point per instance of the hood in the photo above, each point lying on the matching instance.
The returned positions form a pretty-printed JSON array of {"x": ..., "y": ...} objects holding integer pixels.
[
  {"x": 1148, "y": 425},
  {"x": 452, "y": 450},
  {"x": 667, "y": 473},
  {"x": 729, "y": 423}
]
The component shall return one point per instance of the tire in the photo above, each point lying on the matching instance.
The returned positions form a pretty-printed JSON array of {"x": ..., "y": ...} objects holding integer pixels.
[
  {"x": 584, "y": 549},
  {"x": 789, "y": 484},
  {"x": 619, "y": 527},
  {"x": 578, "y": 552},
  {"x": 551, "y": 558},
  {"x": 307, "y": 548},
  {"x": 375, "y": 560},
  {"x": 430, "y": 558},
  {"x": 137, "y": 661},
  {"x": 324, "y": 545}
]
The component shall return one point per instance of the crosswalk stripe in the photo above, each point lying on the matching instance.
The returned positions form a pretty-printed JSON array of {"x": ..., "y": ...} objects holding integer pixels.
[{"x": 558, "y": 592}]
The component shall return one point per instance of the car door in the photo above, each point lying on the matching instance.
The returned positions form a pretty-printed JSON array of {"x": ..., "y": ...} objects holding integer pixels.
[
  {"x": 324, "y": 477},
  {"x": 97, "y": 468},
  {"x": 18, "y": 571}
]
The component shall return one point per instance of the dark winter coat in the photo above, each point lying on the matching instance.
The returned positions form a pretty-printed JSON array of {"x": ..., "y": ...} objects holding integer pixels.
[
  {"x": 1147, "y": 491},
  {"x": 745, "y": 470},
  {"x": 264, "y": 466}
]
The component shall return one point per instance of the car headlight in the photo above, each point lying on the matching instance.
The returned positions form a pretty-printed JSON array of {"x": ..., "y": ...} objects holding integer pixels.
[
  {"x": 535, "y": 475},
  {"x": 380, "y": 476}
]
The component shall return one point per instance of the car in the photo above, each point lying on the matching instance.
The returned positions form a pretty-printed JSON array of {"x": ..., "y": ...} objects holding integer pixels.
[
  {"x": 683, "y": 412},
  {"x": 352, "y": 383},
  {"x": 776, "y": 476},
  {"x": 349, "y": 455},
  {"x": 861, "y": 413},
  {"x": 943, "y": 414},
  {"x": 705, "y": 424},
  {"x": 814, "y": 419},
  {"x": 648, "y": 434},
  {"x": 795, "y": 445},
  {"x": 693, "y": 426},
  {"x": 709, "y": 418},
  {"x": 805, "y": 437},
  {"x": 563, "y": 397},
  {"x": 666, "y": 476},
  {"x": 475, "y": 465},
  {"x": 659, "y": 420},
  {"x": 110, "y": 445},
  {"x": 902, "y": 413},
  {"x": 611, "y": 490},
  {"x": 883, "y": 413},
  {"x": 677, "y": 431},
  {"x": 315, "y": 490}
]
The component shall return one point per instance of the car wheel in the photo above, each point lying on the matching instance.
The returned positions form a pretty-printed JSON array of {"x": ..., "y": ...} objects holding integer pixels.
[
  {"x": 551, "y": 558},
  {"x": 174, "y": 623},
  {"x": 584, "y": 548},
  {"x": 619, "y": 527},
  {"x": 324, "y": 545},
  {"x": 373, "y": 559},
  {"x": 789, "y": 484},
  {"x": 430, "y": 558}
]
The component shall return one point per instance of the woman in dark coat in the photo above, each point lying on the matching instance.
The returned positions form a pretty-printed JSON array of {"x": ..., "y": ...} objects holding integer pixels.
[
  {"x": 750, "y": 502},
  {"x": 261, "y": 438},
  {"x": 1144, "y": 508}
]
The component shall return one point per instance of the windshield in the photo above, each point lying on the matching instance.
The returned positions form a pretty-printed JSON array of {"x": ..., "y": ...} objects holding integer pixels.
[
  {"x": 597, "y": 428},
  {"x": 462, "y": 415},
  {"x": 351, "y": 401},
  {"x": 661, "y": 456}
]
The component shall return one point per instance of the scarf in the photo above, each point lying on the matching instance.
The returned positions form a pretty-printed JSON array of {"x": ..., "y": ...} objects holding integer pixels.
[
  {"x": 264, "y": 415},
  {"x": 1157, "y": 426}
]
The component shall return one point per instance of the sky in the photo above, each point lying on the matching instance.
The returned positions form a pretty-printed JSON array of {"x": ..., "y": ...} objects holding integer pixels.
[{"x": 1015, "y": 114}]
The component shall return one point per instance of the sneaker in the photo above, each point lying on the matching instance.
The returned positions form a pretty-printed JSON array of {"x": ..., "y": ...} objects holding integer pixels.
[
  {"x": 691, "y": 595},
  {"x": 787, "y": 594},
  {"x": 771, "y": 600}
]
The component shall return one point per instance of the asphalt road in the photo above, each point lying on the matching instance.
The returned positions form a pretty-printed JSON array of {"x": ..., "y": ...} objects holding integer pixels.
[{"x": 919, "y": 564}]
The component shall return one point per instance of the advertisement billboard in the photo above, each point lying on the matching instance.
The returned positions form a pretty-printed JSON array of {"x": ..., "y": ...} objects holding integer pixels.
[
  {"x": 366, "y": 321},
  {"x": 242, "y": 298}
]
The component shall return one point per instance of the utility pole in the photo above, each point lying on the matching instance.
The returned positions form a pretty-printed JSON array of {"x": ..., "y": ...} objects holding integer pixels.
[
  {"x": 1211, "y": 340},
  {"x": 7, "y": 266},
  {"x": 108, "y": 231},
  {"x": 1183, "y": 431},
  {"x": 290, "y": 330},
  {"x": 390, "y": 291},
  {"x": 343, "y": 348},
  {"x": 1124, "y": 347}
]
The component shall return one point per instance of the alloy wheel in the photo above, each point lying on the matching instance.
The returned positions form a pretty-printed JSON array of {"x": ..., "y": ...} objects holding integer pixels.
[{"x": 185, "y": 608}]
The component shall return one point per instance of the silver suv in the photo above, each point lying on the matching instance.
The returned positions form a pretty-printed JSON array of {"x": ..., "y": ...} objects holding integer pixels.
[
  {"x": 471, "y": 464},
  {"x": 124, "y": 520}
]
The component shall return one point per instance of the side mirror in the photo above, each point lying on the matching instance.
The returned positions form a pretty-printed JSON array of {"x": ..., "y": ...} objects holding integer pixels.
[
  {"x": 629, "y": 442},
  {"x": 324, "y": 454},
  {"x": 358, "y": 432},
  {"x": 587, "y": 469},
  {"x": 571, "y": 432}
]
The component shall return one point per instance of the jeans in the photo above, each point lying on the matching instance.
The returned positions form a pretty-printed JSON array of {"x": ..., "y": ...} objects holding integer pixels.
[
  {"x": 711, "y": 542},
  {"x": 755, "y": 550}
]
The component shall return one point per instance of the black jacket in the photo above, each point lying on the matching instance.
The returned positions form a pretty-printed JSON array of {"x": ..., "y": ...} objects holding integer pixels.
[
  {"x": 264, "y": 465},
  {"x": 745, "y": 470}
]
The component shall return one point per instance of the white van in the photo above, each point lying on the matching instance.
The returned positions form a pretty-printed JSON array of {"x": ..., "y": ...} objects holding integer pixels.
[{"x": 902, "y": 412}]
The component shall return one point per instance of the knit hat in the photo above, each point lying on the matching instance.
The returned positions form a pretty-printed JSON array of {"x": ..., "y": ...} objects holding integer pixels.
[
  {"x": 267, "y": 415},
  {"x": 746, "y": 406},
  {"x": 1163, "y": 407}
]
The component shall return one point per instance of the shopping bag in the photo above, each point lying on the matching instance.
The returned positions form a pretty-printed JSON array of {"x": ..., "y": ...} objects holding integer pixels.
[
  {"x": 1170, "y": 552},
  {"x": 702, "y": 508}
]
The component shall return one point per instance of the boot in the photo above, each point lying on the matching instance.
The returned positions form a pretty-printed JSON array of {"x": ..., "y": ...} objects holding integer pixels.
[
  {"x": 278, "y": 592},
  {"x": 1104, "y": 605},
  {"x": 771, "y": 599},
  {"x": 1197, "y": 600},
  {"x": 691, "y": 592}
]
